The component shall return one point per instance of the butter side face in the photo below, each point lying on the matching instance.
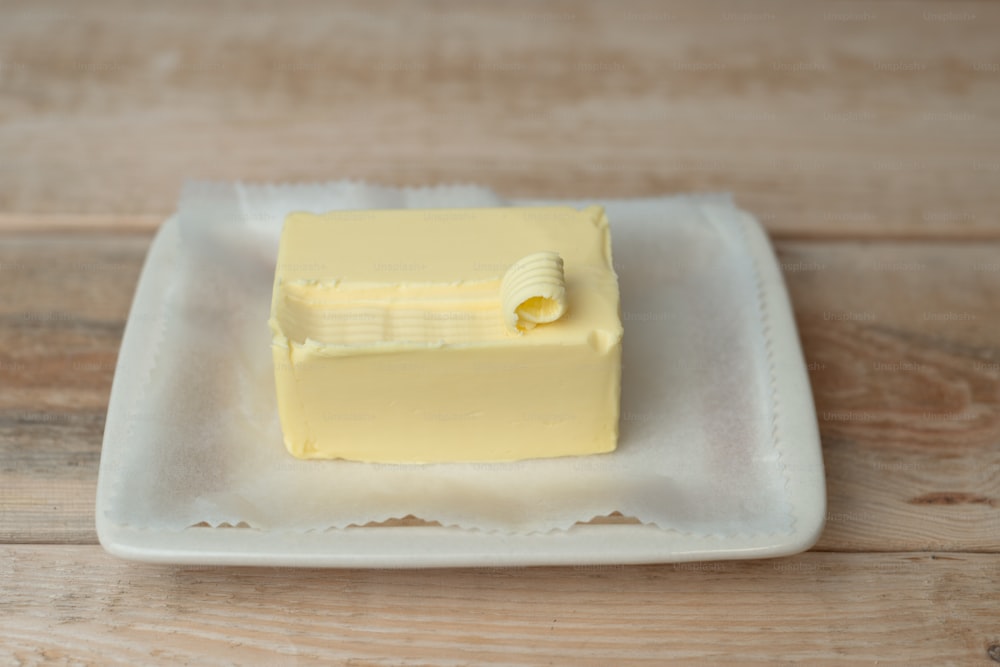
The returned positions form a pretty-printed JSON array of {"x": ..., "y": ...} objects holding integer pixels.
[{"x": 415, "y": 337}]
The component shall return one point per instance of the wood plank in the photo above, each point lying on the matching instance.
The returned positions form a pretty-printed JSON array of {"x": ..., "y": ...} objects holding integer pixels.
[
  {"x": 76, "y": 603},
  {"x": 903, "y": 346},
  {"x": 11, "y": 223},
  {"x": 64, "y": 305},
  {"x": 63, "y": 311},
  {"x": 826, "y": 118},
  {"x": 908, "y": 400}
]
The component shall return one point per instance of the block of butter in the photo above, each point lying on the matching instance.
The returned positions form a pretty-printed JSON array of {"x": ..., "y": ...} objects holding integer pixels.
[{"x": 421, "y": 336}]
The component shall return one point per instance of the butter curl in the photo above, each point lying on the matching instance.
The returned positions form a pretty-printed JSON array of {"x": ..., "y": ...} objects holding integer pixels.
[{"x": 533, "y": 291}]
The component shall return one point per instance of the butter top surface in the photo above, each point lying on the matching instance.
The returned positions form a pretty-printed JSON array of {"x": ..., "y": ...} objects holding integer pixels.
[{"x": 347, "y": 279}]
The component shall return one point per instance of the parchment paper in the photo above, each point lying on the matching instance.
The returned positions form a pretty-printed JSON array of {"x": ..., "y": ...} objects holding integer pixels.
[{"x": 698, "y": 452}]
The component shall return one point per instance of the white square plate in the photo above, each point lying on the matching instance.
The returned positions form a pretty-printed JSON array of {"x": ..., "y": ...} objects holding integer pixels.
[{"x": 801, "y": 472}]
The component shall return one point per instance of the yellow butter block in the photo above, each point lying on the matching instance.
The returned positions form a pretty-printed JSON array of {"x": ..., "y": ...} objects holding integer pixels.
[{"x": 420, "y": 336}]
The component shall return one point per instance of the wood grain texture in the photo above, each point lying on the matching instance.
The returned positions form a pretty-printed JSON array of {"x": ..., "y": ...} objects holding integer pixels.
[
  {"x": 839, "y": 608},
  {"x": 834, "y": 122},
  {"x": 826, "y": 118},
  {"x": 902, "y": 342},
  {"x": 62, "y": 312}
]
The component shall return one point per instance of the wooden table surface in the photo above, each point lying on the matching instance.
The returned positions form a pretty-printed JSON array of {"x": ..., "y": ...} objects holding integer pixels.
[{"x": 866, "y": 137}]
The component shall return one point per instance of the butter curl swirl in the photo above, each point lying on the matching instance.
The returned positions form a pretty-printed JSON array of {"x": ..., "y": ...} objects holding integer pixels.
[{"x": 533, "y": 291}]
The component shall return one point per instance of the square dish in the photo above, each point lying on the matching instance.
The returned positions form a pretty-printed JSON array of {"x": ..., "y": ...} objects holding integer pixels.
[{"x": 788, "y": 461}]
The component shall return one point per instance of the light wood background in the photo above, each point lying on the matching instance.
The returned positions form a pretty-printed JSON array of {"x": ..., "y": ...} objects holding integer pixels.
[{"x": 865, "y": 136}]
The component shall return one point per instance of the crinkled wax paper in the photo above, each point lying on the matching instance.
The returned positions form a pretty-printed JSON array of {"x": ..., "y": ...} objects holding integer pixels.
[{"x": 697, "y": 453}]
